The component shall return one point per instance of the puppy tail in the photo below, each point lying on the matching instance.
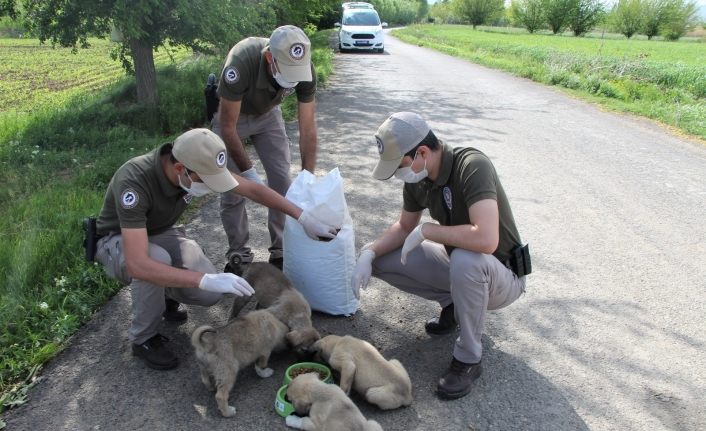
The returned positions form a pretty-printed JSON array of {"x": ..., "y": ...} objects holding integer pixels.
[
  {"x": 371, "y": 425},
  {"x": 202, "y": 338}
]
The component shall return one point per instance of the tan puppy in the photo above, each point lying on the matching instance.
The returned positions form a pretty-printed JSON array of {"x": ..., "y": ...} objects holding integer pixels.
[
  {"x": 383, "y": 383},
  {"x": 275, "y": 293},
  {"x": 328, "y": 407},
  {"x": 222, "y": 352}
]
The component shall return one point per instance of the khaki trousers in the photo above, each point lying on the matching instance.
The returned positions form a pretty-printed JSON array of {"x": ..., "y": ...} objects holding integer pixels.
[
  {"x": 474, "y": 282},
  {"x": 268, "y": 136},
  {"x": 171, "y": 248}
]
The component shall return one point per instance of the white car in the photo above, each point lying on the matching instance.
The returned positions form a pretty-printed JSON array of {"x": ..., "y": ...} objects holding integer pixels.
[{"x": 360, "y": 28}]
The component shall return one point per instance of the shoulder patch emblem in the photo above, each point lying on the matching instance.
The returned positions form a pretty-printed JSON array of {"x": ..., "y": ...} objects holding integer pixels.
[
  {"x": 129, "y": 199},
  {"x": 231, "y": 75},
  {"x": 296, "y": 51},
  {"x": 447, "y": 198},
  {"x": 221, "y": 159},
  {"x": 381, "y": 147}
]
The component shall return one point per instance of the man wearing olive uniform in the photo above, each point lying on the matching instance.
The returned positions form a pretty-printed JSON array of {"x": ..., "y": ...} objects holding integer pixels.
[
  {"x": 140, "y": 245},
  {"x": 462, "y": 264},
  {"x": 258, "y": 74}
]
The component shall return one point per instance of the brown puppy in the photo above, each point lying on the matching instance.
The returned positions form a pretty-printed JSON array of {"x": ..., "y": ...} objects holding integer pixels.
[
  {"x": 383, "y": 383},
  {"x": 222, "y": 352},
  {"x": 275, "y": 293},
  {"x": 328, "y": 407}
]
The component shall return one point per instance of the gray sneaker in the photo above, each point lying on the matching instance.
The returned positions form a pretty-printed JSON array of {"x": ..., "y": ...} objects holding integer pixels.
[{"x": 155, "y": 354}]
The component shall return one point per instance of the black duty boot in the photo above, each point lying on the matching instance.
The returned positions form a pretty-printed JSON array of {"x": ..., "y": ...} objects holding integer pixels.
[
  {"x": 458, "y": 380},
  {"x": 155, "y": 353},
  {"x": 444, "y": 324},
  {"x": 172, "y": 312},
  {"x": 236, "y": 265},
  {"x": 277, "y": 261}
]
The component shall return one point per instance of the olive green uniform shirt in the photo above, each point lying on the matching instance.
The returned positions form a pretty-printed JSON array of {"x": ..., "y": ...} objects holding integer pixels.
[
  {"x": 140, "y": 196},
  {"x": 466, "y": 176},
  {"x": 245, "y": 78}
]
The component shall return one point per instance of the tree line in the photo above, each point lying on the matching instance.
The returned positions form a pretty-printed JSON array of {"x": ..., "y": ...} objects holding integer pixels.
[{"x": 671, "y": 19}]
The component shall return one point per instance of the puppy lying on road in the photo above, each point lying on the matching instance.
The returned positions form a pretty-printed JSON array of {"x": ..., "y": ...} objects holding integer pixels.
[
  {"x": 383, "y": 383},
  {"x": 222, "y": 352},
  {"x": 275, "y": 293},
  {"x": 328, "y": 407}
]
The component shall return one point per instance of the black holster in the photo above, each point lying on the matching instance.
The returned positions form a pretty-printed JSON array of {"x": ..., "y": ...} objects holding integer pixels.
[
  {"x": 90, "y": 237},
  {"x": 520, "y": 262},
  {"x": 212, "y": 98}
]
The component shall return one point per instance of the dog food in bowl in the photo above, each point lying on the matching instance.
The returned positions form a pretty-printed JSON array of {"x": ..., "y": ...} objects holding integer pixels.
[{"x": 308, "y": 367}]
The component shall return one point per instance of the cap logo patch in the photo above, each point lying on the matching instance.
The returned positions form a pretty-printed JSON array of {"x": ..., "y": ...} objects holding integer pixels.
[
  {"x": 381, "y": 147},
  {"x": 221, "y": 159},
  {"x": 231, "y": 75},
  {"x": 129, "y": 199},
  {"x": 447, "y": 198},
  {"x": 296, "y": 51}
]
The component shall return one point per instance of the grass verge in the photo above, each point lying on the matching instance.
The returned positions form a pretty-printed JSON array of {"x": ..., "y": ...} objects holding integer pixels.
[
  {"x": 665, "y": 81},
  {"x": 55, "y": 164}
]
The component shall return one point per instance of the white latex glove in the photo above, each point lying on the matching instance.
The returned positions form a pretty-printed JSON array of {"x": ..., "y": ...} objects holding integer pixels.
[
  {"x": 294, "y": 421},
  {"x": 413, "y": 240},
  {"x": 226, "y": 283},
  {"x": 363, "y": 270},
  {"x": 316, "y": 229},
  {"x": 252, "y": 175}
]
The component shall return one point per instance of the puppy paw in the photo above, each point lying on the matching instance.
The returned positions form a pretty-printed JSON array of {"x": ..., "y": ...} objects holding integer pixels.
[
  {"x": 293, "y": 421},
  {"x": 228, "y": 412},
  {"x": 264, "y": 372}
]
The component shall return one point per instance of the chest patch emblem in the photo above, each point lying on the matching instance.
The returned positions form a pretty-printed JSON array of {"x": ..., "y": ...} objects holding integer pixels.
[
  {"x": 296, "y": 51},
  {"x": 231, "y": 75},
  {"x": 447, "y": 198},
  {"x": 129, "y": 199}
]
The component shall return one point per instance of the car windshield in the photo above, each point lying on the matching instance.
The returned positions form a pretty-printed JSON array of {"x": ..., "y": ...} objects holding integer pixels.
[{"x": 361, "y": 17}]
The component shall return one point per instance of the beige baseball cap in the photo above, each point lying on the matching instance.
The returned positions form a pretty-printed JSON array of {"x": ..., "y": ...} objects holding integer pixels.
[
  {"x": 203, "y": 152},
  {"x": 292, "y": 51},
  {"x": 397, "y": 136}
]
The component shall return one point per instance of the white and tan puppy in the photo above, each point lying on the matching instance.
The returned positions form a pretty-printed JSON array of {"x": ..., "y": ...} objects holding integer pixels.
[
  {"x": 328, "y": 407},
  {"x": 275, "y": 293},
  {"x": 383, "y": 383},
  {"x": 222, "y": 352}
]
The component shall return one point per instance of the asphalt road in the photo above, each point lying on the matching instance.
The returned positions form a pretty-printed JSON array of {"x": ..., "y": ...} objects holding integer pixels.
[{"x": 610, "y": 334}]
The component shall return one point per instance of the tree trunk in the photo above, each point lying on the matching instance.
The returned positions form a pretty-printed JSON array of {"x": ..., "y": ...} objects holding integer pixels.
[{"x": 145, "y": 75}]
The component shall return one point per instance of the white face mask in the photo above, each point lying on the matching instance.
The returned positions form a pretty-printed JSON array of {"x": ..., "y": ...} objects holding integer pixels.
[
  {"x": 197, "y": 189},
  {"x": 279, "y": 78},
  {"x": 407, "y": 175}
]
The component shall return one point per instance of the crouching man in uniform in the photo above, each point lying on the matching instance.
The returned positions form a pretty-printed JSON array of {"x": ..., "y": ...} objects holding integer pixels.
[
  {"x": 139, "y": 244},
  {"x": 464, "y": 262}
]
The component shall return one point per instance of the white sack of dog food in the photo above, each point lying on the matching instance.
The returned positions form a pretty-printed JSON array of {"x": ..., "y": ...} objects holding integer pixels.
[{"x": 321, "y": 270}]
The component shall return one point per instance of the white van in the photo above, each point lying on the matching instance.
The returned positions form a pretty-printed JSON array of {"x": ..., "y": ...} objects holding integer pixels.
[{"x": 360, "y": 28}]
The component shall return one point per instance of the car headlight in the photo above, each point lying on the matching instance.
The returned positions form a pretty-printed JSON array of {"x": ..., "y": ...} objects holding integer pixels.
[
  {"x": 378, "y": 32},
  {"x": 346, "y": 33}
]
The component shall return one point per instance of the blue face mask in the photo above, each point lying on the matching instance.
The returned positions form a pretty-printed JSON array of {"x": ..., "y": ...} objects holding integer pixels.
[{"x": 407, "y": 175}]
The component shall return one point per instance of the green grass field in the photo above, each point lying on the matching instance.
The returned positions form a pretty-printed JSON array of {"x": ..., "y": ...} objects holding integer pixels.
[
  {"x": 33, "y": 75},
  {"x": 665, "y": 81}
]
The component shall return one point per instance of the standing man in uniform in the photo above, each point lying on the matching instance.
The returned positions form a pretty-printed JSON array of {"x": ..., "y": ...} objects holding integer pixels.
[
  {"x": 258, "y": 74},
  {"x": 140, "y": 245},
  {"x": 465, "y": 262}
]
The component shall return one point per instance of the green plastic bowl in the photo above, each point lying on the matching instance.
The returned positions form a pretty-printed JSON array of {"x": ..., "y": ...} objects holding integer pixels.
[
  {"x": 283, "y": 407},
  {"x": 320, "y": 367}
]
